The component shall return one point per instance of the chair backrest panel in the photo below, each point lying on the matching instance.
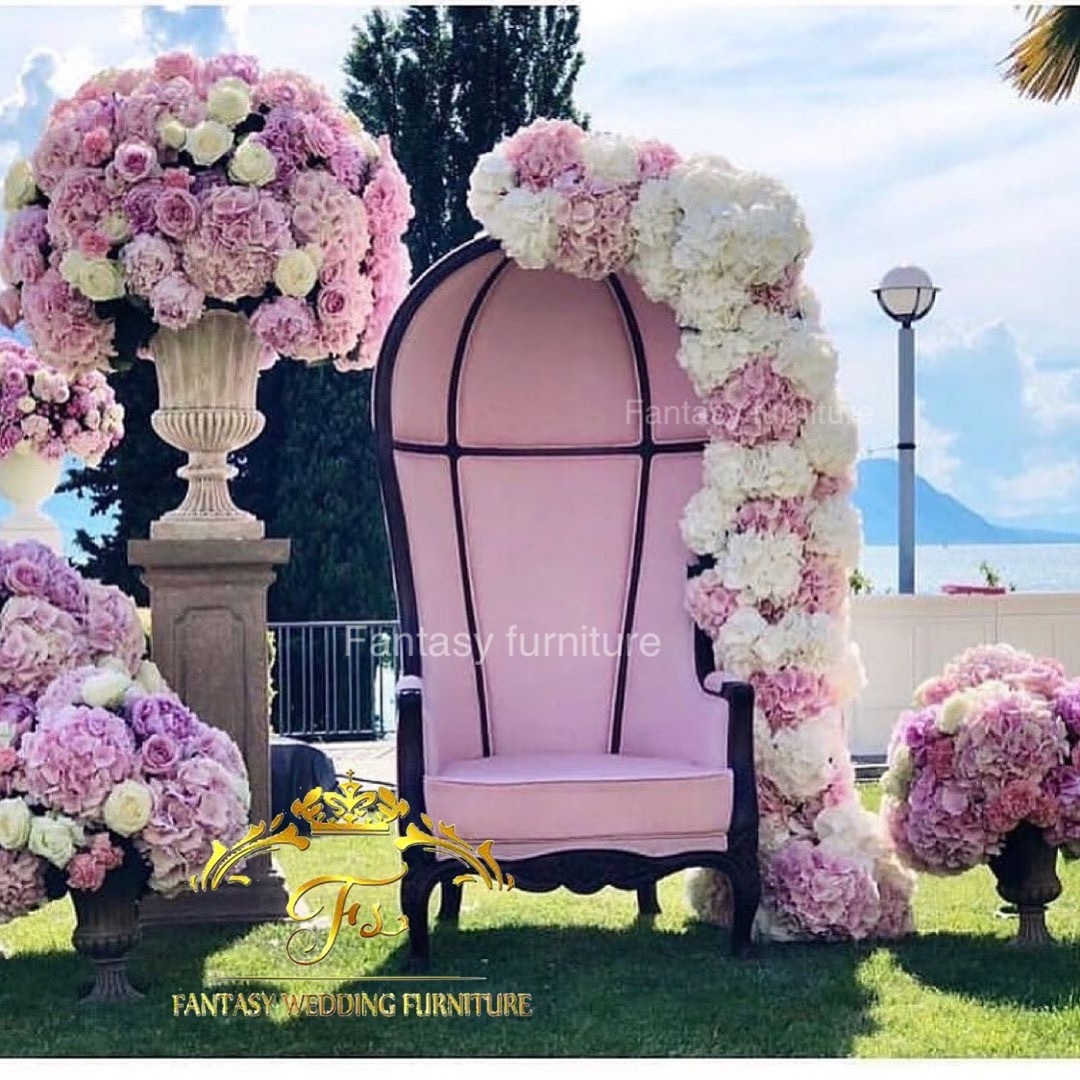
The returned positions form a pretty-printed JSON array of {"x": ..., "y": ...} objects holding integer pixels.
[{"x": 543, "y": 443}]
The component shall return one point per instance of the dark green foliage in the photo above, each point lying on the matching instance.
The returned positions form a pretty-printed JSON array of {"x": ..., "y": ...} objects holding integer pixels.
[{"x": 445, "y": 83}]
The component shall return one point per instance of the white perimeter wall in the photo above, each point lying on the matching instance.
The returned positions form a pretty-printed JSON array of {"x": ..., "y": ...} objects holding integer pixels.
[{"x": 905, "y": 639}]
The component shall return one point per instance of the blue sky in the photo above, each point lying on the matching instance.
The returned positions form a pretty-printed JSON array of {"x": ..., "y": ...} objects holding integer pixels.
[{"x": 890, "y": 124}]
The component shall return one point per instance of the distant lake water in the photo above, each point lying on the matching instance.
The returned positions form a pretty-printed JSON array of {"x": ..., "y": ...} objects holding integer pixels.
[{"x": 1030, "y": 567}]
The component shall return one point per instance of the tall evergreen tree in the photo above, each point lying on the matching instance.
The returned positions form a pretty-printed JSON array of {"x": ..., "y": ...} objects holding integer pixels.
[{"x": 445, "y": 83}]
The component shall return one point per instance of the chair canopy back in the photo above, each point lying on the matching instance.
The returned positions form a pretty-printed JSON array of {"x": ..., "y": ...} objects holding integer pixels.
[{"x": 538, "y": 442}]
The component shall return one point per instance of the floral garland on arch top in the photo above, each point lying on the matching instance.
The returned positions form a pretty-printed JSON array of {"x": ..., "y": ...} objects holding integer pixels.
[{"x": 773, "y": 524}]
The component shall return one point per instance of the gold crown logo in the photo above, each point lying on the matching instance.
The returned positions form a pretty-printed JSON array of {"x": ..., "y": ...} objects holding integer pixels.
[{"x": 349, "y": 810}]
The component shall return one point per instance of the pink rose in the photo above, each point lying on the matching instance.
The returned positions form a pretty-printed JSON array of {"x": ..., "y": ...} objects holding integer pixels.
[
  {"x": 97, "y": 146},
  {"x": 176, "y": 213},
  {"x": 160, "y": 754},
  {"x": 136, "y": 161},
  {"x": 94, "y": 244}
]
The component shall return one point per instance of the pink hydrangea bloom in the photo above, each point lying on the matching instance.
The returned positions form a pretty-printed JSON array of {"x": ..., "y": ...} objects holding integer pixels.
[
  {"x": 656, "y": 160},
  {"x": 595, "y": 238},
  {"x": 146, "y": 260},
  {"x": 22, "y": 255},
  {"x": 545, "y": 151},
  {"x": 112, "y": 625},
  {"x": 75, "y": 757},
  {"x": 37, "y": 642},
  {"x": 791, "y": 695},
  {"x": 78, "y": 203},
  {"x": 757, "y": 405},
  {"x": 235, "y": 248},
  {"x": 65, "y": 328},
  {"x": 22, "y": 883},
  {"x": 823, "y": 585},
  {"x": 709, "y": 601},
  {"x": 823, "y": 894}
]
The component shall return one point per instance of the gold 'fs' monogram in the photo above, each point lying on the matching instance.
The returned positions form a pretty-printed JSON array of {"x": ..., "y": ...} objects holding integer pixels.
[{"x": 350, "y": 810}]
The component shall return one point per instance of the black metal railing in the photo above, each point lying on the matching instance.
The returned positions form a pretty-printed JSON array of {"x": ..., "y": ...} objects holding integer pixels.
[{"x": 334, "y": 680}]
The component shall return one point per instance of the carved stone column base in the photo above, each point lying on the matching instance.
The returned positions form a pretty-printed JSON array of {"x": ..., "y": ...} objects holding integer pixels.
[{"x": 208, "y": 608}]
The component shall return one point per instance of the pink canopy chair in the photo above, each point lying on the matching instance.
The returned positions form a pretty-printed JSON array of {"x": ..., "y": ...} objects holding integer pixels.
[{"x": 537, "y": 442}]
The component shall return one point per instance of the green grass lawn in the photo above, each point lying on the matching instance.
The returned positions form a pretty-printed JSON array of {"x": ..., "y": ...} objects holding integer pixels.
[{"x": 600, "y": 983}]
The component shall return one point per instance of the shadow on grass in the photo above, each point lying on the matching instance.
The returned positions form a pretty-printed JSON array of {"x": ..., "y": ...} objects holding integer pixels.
[
  {"x": 992, "y": 969},
  {"x": 631, "y": 992},
  {"x": 634, "y": 991},
  {"x": 42, "y": 1014}
]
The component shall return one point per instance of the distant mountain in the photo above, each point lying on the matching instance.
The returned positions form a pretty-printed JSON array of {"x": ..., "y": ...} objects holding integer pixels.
[{"x": 939, "y": 518}]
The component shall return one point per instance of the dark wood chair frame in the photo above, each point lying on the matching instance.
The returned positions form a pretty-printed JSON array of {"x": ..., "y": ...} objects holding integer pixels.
[{"x": 584, "y": 870}]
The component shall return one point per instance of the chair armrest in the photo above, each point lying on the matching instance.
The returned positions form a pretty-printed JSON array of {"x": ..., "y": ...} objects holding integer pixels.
[
  {"x": 740, "y": 747},
  {"x": 410, "y": 744}
]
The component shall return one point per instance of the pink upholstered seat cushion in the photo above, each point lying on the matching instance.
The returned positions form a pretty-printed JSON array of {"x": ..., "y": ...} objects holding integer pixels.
[{"x": 533, "y": 797}]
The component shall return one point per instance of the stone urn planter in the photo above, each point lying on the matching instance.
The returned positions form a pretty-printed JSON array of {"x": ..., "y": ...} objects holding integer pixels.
[
  {"x": 107, "y": 928},
  {"x": 27, "y": 479},
  {"x": 207, "y": 376},
  {"x": 1027, "y": 878}
]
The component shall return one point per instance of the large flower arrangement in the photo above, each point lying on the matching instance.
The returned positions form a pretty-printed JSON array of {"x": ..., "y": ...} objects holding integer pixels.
[
  {"x": 99, "y": 760},
  {"x": 992, "y": 742},
  {"x": 156, "y": 194},
  {"x": 773, "y": 524},
  {"x": 45, "y": 412}
]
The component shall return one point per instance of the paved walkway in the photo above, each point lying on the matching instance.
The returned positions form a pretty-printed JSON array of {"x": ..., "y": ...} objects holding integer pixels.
[{"x": 373, "y": 760}]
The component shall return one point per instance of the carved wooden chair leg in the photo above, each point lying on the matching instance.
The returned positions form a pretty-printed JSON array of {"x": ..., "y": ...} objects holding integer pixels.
[
  {"x": 746, "y": 896},
  {"x": 450, "y": 907},
  {"x": 648, "y": 903},
  {"x": 416, "y": 888}
]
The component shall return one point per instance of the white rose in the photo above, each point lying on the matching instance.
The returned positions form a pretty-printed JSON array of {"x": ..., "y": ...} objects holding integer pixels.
[
  {"x": 127, "y": 809},
  {"x": 26, "y": 404},
  {"x": 173, "y": 134},
  {"x": 53, "y": 839},
  {"x": 116, "y": 226},
  {"x": 149, "y": 678},
  {"x": 100, "y": 279},
  {"x": 15, "y": 819},
  {"x": 229, "y": 101},
  {"x": 252, "y": 163},
  {"x": 106, "y": 689},
  {"x": 296, "y": 273},
  {"x": 71, "y": 266},
  {"x": 611, "y": 158},
  {"x": 19, "y": 187},
  {"x": 208, "y": 141}
]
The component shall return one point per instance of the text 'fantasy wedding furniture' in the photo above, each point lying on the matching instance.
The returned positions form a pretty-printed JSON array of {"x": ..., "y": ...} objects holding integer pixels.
[{"x": 537, "y": 444}]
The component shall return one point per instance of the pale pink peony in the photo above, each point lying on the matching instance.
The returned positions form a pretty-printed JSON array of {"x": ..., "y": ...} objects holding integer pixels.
[
  {"x": 147, "y": 260},
  {"x": 22, "y": 255},
  {"x": 176, "y": 302}
]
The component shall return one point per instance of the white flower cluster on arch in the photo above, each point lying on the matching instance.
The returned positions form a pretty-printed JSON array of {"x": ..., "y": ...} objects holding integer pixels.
[{"x": 773, "y": 523}]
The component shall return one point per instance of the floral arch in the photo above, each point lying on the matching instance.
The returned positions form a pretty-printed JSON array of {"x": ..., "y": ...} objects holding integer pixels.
[{"x": 772, "y": 527}]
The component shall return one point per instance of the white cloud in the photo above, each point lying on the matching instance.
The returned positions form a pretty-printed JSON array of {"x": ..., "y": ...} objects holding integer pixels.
[{"x": 1042, "y": 486}]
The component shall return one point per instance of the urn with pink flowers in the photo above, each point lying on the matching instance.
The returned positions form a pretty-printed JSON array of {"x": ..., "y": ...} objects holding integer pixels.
[{"x": 212, "y": 217}]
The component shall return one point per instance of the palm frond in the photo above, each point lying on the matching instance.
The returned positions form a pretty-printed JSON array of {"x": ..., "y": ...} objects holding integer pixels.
[{"x": 1045, "y": 60}]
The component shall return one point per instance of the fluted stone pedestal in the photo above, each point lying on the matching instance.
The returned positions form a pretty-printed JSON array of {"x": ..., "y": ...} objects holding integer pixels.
[{"x": 208, "y": 605}]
